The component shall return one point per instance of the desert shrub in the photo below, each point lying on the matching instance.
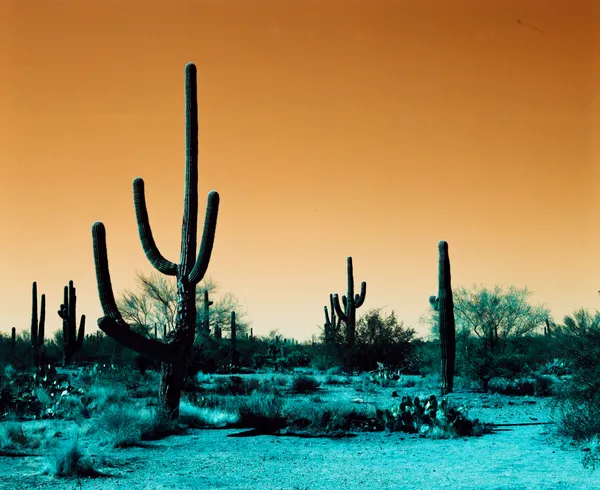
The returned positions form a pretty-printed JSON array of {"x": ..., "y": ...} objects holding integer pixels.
[
  {"x": 120, "y": 426},
  {"x": 578, "y": 402},
  {"x": 556, "y": 367},
  {"x": 12, "y": 436},
  {"x": 195, "y": 416},
  {"x": 304, "y": 384},
  {"x": 68, "y": 460},
  {"x": 235, "y": 385},
  {"x": 381, "y": 338},
  {"x": 262, "y": 412},
  {"x": 592, "y": 454},
  {"x": 337, "y": 380}
]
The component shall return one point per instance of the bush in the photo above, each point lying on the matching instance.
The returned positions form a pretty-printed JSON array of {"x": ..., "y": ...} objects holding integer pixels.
[
  {"x": 304, "y": 384},
  {"x": 578, "y": 402},
  {"x": 69, "y": 461}
]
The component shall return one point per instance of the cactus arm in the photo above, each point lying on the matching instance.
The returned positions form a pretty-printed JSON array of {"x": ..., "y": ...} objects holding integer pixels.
[
  {"x": 112, "y": 324},
  {"x": 189, "y": 227},
  {"x": 81, "y": 333},
  {"x": 434, "y": 302},
  {"x": 145, "y": 232},
  {"x": 360, "y": 299},
  {"x": 208, "y": 239},
  {"x": 350, "y": 295},
  {"x": 122, "y": 333},
  {"x": 105, "y": 291},
  {"x": 71, "y": 310},
  {"x": 327, "y": 316},
  {"x": 338, "y": 309},
  {"x": 40, "y": 336}
]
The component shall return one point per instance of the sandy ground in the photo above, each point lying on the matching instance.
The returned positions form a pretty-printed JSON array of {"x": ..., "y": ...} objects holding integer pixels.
[{"x": 519, "y": 457}]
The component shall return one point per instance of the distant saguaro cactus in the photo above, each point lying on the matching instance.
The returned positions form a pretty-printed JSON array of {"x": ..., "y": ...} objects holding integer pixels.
[
  {"x": 351, "y": 303},
  {"x": 13, "y": 337},
  {"x": 72, "y": 338},
  {"x": 175, "y": 350},
  {"x": 331, "y": 324},
  {"x": 233, "y": 340},
  {"x": 444, "y": 305},
  {"x": 206, "y": 314},
  {"x": 37, "y": 329}
]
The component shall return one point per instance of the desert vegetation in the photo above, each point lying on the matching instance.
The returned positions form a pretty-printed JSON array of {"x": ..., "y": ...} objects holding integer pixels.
[{"x": 175, "y": 357}]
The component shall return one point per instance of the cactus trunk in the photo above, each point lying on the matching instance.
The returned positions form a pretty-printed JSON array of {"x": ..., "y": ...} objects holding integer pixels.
[
  {"x": 174, "y": 351},
  {"x": 444, "y": 305}
]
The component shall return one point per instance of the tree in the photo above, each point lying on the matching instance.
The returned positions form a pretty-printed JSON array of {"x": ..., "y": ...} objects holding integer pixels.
[
  {"x": 383, "y": 339},
  {"x": 489, "y": 324},
  {"x": 497, "y": 315},
  {"x": 156, "y": 304}
]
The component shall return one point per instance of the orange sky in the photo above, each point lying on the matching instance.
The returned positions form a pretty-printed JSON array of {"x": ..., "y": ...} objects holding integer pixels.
[{"x": 329, "y": 128}]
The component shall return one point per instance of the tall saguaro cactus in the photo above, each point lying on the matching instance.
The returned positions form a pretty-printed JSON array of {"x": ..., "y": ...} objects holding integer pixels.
[
  {"x": 351, "y": 303},
  {"x": 72, "y": 338},
  {"x": 175, "y": 350},
  {"x": 444, "y": 305},
  {"x": 37, "y": 329}
]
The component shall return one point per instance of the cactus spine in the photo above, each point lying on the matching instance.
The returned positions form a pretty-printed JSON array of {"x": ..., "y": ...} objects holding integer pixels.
[
  {"x": 351, "y": 303},
  {"x": 444, "y": 305},
  {"x": 72, "y": 338},
  {"x": 175, "y": 350},
  {"x": 37, "y": 329}
]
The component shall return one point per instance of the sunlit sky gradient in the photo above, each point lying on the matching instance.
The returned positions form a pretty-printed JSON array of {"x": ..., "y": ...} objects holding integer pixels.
[{"x": 330, "y": 128}]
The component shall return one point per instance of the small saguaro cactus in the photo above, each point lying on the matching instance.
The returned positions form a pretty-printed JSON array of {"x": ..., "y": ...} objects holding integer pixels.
[
  {"x": 72, "y": 338},
  {"x": 37, "y": 329},
  {"x": 233, "y": 340},
  {"x": 351, "y": 303},
  {"x": 175, "y": 350},
  {"x": 444, "y": 305},
  {"x": 206, "y": 314},
  {"x": 13, "y": 337},
  {"x": 548, "y": 329},
  {"x": 331, "y": 324}
]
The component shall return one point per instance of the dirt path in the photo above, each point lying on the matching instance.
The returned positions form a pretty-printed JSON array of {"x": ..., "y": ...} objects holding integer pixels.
[
  {"x": 522, "y": 457},
  {"x": 517, "y": 458}
]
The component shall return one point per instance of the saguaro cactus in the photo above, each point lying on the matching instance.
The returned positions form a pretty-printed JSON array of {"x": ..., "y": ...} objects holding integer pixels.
[
  {"x": 72, "y": 338},
  {"x": 233, "y": 340},
  {"x": 37, "y": 329},
  {"x": 13, "y": 337},
  {"x": 351, "y": 303},
  {"x": 444, "y": 305},
  {"x": 331, "y": 324},
  {"x": 175, "y": 350},
  {"x": 206, "y": 314}
]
